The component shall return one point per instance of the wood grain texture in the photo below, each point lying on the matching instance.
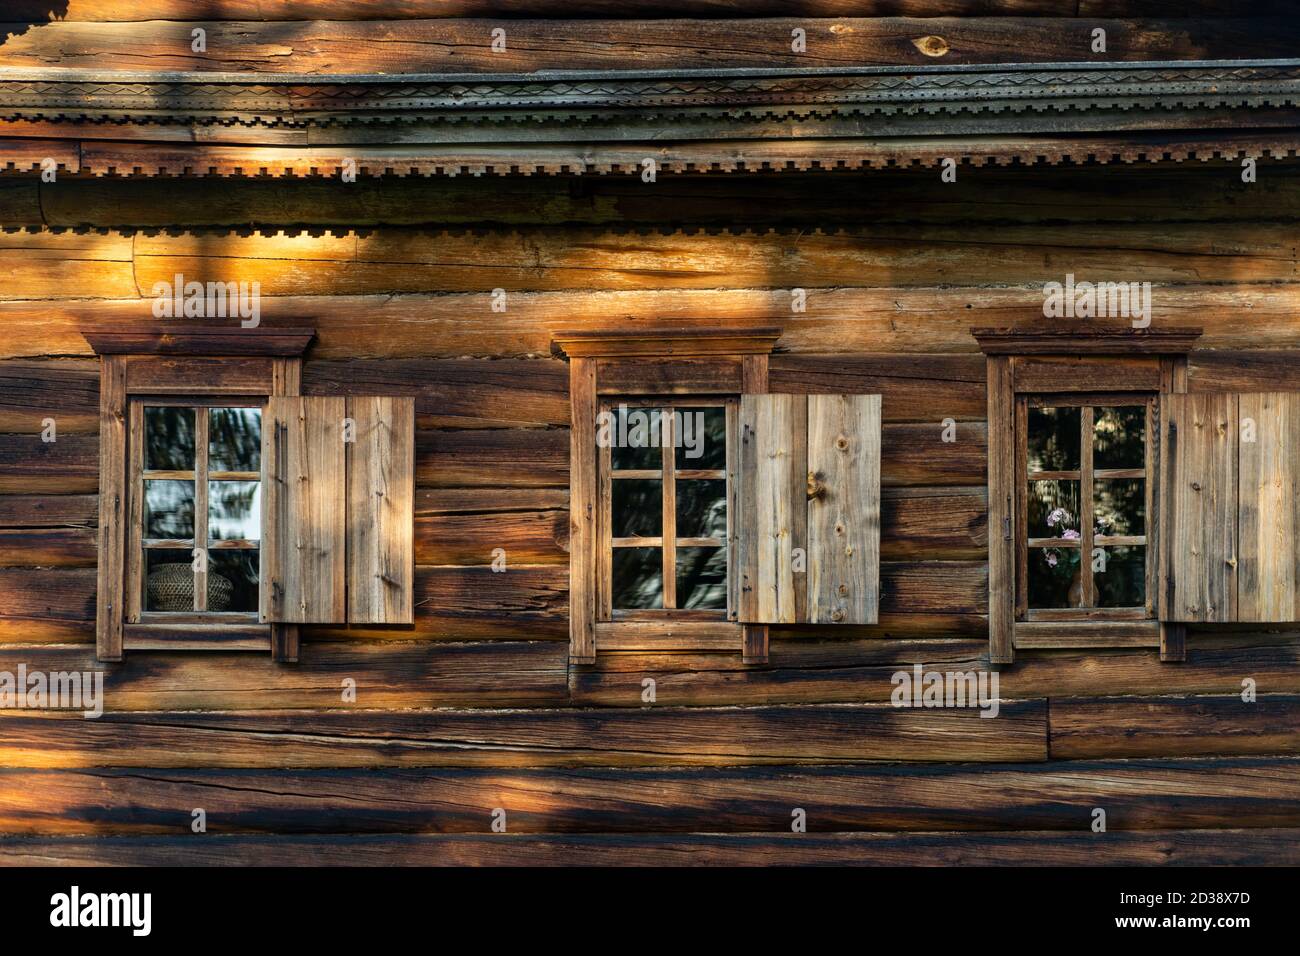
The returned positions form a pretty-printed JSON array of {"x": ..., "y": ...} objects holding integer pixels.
[
  {"x": 1199, "y": 502},
  {"x": 462, "y": 46},
  {"x": 843, "y": 512},
  {"x": 1139, "y": 795},
  {"x": 306, "y": 501},
  {"x": 773, "y": 492},
  {"x": 110, "y": 585},
  {"x": 381, "y": 511},
  {"x": 1163, "y": 726},
  {"x": 858, "y": 733},
  {"x": 583, "y": 509},
  {"x": 1002, "y": 477},
  {"x": 1223, "y": 847},
  {"x": 1268, "y": 512}
]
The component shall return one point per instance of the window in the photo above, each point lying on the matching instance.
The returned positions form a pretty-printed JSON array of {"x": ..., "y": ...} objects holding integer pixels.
[
  {"x": 196, "y": 499},
  {"x": 232, "y": 509},
  {"x": 666, "y": 515},
  {"x": 1084, "y": 505},
  {"x": 1076, "y": 470}
]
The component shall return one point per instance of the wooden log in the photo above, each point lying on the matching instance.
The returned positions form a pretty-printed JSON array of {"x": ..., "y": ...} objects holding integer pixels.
[
  {"x": 1150, "y": 727},
  {"x": 69, "y": 465},
  {"x": 807, "y": 668},
  {"x": 465, "y": 45},
  {"x": 47, "y": 604},
  {"x": 621, "y": 737},
  {"x": 1137, "y": 795},
  {"x": 1113, "y": 194},
  {"x": 414, "y": 674},
  {"x": 1265, "y": 370},
  {"x": 838, "y": 321},
  {"x": 921, "y": 455},
  {"x": 455, "y": 393},
  {"x": 550, "y": 258},
  {"x": 47, "y": 547},
  {"x": 1263, "y": 847},
  {"x": 912, "y": 388},
  {"x": 66, "y": 391},
  {"x": 37, "y": 11},
  {"x": 498, "y": 457},
  {"x": 933, "y": 523},
  {"x": 455, "y": 527},
  {"x": 48, "y": 511},
  {"x": 62, "y": 265}
]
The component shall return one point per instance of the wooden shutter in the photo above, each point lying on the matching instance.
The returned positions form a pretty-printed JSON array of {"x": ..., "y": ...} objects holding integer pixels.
[
  {"x": 381, "y": 511},
  {"x": 303, "y": 541},
  {"x": 810, "y": 480},
  {"x": 1268, "y": 519},
  {"x": 339, "y": 519}
]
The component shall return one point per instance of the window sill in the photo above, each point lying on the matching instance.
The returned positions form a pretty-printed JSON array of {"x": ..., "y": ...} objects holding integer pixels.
[
  {"x": 196, "y": 637},
  {"x": 668, "y": 635}
]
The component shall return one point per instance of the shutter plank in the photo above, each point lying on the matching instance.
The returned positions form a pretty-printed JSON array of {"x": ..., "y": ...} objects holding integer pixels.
[
  {"x": 1200, "y": 508},
  {"x": 773, "y": 467},
  {"x": 304, "y": 538},
  {"x": 844, "y": 511},
  {"x": 381, "y": 511},
  {"x": 1267, "y": 588}
]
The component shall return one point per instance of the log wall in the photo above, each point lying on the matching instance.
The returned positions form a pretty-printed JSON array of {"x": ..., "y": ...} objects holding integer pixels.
[{"x": 476, "y": 706}]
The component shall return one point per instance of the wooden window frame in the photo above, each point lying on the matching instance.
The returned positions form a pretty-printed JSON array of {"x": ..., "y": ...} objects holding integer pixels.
[
  {"x": 200, "y": 475},
  {"x": 667, "y": 366},
  {"x": 1088, "y": 361},
  {"x": 1086, "y": 476},
  {"x": 188, "y": 366},
  {"x": 668, "y": 540}
]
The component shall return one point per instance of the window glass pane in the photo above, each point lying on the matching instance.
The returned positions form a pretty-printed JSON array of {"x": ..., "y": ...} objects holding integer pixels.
[
  {"x": 702, "y": 578},
  {"x": 700, "y": 438},
  {"x": 635, "y": 438},
  {"x": 234, "y": 439},
  {"x": 168, "y": 509},
  {"x": 638, "y": 578},
  {"x": 232, "y": 580},
  {"x": 701, "y": 508},
  {"x": 1120, "y": 505},
  {"x": 638, "y": 508},
  {"x": 1053, "y": 509},
  {"x": 168, "y": 579},
  {"x": 169, "y": 438},
  {"x": 1054, "y": 578},
  {"x": 235, "y": 510},
  {"x": 1054, "y": 439},
  {"x": 1121, "y": 577},
  {"x": 1119, "y": 437}
]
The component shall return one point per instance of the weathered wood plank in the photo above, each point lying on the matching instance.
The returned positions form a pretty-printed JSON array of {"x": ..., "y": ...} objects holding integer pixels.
[
  {"x": 452, "y": 393},
  {"x": 1138, "y": 795},
  {"x": 66, "y": 391},
  {"x": 454, "y": 45},
  {"x": 621, "y": 737},
  {"x": 843, "y": 513},
  {"x": 1262, "y": 370},
  {"x": 498, "y": 457},
  {"x": 381, "y": 511},
  {"x": 913, "y": 388},
  {"x": 936, "y": 523},
  {"x": 837, "y": 321},
  {"x": 405, "y": 675},
  {"x": 1167, "y": 726},
  {"x": 1263, "y": 847},
  {"x": 456, "y": 527},
  {"x": 48, "y": 511},
  {"x": 804, "y": 668},
  {"x": 304, "y": 543},
  {"x": 1268, "y": 513},
  {"x": 1199, "y": 500},
  {"x": 773, "y": 483},
  {"x": 69, "y": 465}
]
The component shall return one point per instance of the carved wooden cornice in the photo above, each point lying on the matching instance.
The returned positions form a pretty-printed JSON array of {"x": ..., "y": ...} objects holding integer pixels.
[
  {"x": 172, "y": 340},
  {"x": 1082, "y": 339},
  {"x": 609, "y": 121}
]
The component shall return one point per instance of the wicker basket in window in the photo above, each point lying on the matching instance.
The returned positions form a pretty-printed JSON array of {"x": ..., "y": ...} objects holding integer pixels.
[{"x": 171, "y": 588}]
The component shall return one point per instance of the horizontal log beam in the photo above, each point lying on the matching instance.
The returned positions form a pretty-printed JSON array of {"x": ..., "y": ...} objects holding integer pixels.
[
  {"x": 1137, "y": 795},
  {"x": 623, "y": 737},
  {"x": 1265, "y": 847}
]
